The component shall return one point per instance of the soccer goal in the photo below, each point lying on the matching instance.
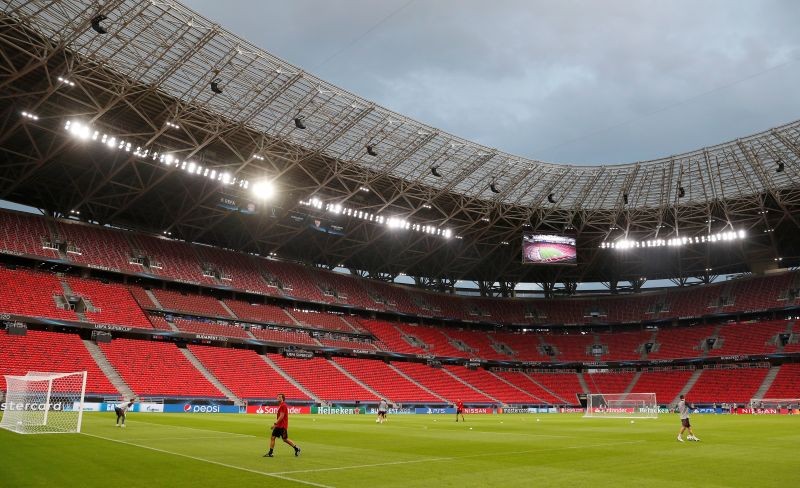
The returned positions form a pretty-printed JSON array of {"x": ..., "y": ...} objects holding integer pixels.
[
  {"x": 621, "y": 405},
  {"x": 44, "y": 403},
  {"x": 775, "y": 403}
]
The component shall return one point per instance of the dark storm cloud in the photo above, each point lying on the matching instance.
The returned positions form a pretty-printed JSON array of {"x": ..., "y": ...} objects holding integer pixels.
[{"x": 583, "y": 82}]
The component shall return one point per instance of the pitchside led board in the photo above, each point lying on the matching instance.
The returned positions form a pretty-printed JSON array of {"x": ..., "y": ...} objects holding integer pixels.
[{"x": 548, "y": 249}]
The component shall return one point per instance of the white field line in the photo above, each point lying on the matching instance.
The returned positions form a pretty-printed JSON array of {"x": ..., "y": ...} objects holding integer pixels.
[
  {"x": 454, "y": 458},
  {"x": 210, "y": 461}
]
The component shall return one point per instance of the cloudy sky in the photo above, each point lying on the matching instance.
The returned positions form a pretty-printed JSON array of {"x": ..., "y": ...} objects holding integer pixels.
[{"x": 587, "y": 82}]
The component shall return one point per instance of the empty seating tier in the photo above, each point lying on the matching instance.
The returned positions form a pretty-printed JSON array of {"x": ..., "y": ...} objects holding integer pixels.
[
  {"x": 51, "y": 352},
  {"x": 157, "y": 369}
]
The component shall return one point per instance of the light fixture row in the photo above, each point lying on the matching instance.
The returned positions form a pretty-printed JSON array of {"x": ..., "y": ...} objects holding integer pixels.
[{"x": 675, "y": 241}]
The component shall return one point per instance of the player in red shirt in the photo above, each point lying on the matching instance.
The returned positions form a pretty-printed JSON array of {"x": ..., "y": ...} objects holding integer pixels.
[
  {"x": 281, "y": 427},
  {"x": 460, "y": 410}
]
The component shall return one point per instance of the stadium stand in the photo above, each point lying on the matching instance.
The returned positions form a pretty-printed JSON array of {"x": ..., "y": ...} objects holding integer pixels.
[
  {"x": 210, "y": 328},
  {"x": 563, "y": 384},
  {"x": 246, "y": 374},
  {"x": 437, "y": 342},
  {"x": 98, "y": 247},
  {"x": 489, "y": 384},
  {"x": 110, "y": 303},
  {"x": 22, "y": 233},
  {"x": 284, "y": 335},
  {"x": 385, "y": 380},
  {"x": 523, "y": 381},
  {"x": 609, "y": 382},
  {"x": 681, "y": 342},
  {"x": 171, "y": 259},
  {"x": 32, "y": 293},
  {"x": 322, "y": 378},
  {"x": 257, "y": 312},
  {"x": 232, "y": 269},
  {"x": 749, "y": 337},
  {"x": 320, "y": 320},
  {"x": 390, "y": 336},
  {"x": 737, "y": 385},
  {"x": 786, "y": 383},
  {"x": 191, "y": 303},
  {"x": 52, "y": 352},
  {"x": 442, "y": 383},
  {"x": 665, "y": 384},
  {"x": 157, "y": 369},
  {"x": 624, "y": 345}
]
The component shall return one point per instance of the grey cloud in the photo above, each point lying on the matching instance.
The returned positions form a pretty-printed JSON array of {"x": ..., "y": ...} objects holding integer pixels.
[{"x": 582, "y": 82}]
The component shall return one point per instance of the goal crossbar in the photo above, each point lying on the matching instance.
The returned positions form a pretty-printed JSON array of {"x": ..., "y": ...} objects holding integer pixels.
[{"x": 621, "y": 405}]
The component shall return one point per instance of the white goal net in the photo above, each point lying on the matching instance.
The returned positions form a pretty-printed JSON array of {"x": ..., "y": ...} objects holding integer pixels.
[
  {"x": 44, "y": 403},
  {"x": 622, "y": 405},
  {"x": 791, "y": 404}
]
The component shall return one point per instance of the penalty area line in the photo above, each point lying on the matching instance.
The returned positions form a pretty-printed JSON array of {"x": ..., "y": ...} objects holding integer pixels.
[
  {"x": 456, "y": 458},
  {"x": 211, "y": 461}
]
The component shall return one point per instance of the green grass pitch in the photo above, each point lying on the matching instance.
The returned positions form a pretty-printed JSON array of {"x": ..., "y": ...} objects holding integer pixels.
[
  {"x": 549, "y": 253},
  {"x": 197, "y": 450}
]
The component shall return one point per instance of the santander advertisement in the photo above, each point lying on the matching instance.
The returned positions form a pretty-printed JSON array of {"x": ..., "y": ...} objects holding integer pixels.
[{"x": 273, "y": 409}]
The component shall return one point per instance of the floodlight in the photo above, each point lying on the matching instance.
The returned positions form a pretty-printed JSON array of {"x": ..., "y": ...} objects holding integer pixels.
[
  {"x": 780, "y": 167},
  {"x": 96, "y": 23},
  {"x": 551, "y": 198},
  {"x": 263, "y": 189},
  {"x": 493, "y": 187},
  {"x": 371, "y": 150},
  {"x": 435, "y": 171},
  {"x": 298, "y": 122},
  {"x": 625, "y": 198},
  {"x": 215, "y": 87},
  {"x": 681, "y": 192}
]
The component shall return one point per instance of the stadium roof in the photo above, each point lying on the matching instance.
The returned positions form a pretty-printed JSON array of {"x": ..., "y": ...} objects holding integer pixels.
[{"x": 234, "y": 106}]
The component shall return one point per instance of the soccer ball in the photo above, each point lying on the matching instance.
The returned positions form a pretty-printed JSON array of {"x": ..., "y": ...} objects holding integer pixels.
[
  {"x": 631, "y": 421},
  {"x": 377, "y": 420}
]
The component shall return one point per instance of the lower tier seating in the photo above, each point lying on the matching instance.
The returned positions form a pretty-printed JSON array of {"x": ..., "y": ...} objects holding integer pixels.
[
  {"x": 51, "y": 352},
  {"x": 157, "y": 369},
  {"x": 246, "y": 373}
]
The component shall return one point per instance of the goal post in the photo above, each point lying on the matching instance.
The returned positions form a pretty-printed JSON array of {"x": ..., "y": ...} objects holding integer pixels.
[
  {"x": 44, "y": 403},
  {"x": 777, "y": 403},
  {"x": 621, "y": 405}
]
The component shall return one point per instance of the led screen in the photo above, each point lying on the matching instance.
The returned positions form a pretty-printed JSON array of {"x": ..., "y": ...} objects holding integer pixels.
[{"x": 548, "y": 249}]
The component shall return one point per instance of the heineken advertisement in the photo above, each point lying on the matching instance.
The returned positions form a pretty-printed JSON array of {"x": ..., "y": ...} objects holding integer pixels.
[{"x": 338, "y": 410}]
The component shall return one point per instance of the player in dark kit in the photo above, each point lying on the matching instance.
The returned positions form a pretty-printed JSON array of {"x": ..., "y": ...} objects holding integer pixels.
[
  {"x": 460, "y": 410},
  {"x": 281, "y": 427},
  {"x": 121, "y": 410}
]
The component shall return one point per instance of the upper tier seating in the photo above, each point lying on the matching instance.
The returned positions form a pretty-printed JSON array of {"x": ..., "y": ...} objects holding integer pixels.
[
  {"x": 749, "y": 337},
  {"x": 434, "y": 337},
  {"x": 257, "y": 312},
  {"x": 173, "y": 259},
  {"x": 22, "y": 233},
  {"x": 316, "y": 320},
  {"x": 236, "y": 270},
  {"x": 385, "y": 380},
  {"x": 157, "y": 369},
  {"x": 246, "y": 373},
  {"x": 442, "y": 383},
  {"x": 31, "y": 293},
  {"x": 681, "y": 342},
  {"x": 113, "y": 304},
  {"x": 210, "y": 328},
  {"x": 624, "y": 345},
  {"x": 390, "y": 337},
  {"x": 322, "y": 378},
  {"x": 573, "y": 347},
  {"x": 285, "y": 336},
  {"x": 195, "y": 304},
  {"x": 99, "y": 247},
  {"x": 104, "y": 247},
  {"x": 52, "y": 352},
  {"x": 294, "y": 279}
]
